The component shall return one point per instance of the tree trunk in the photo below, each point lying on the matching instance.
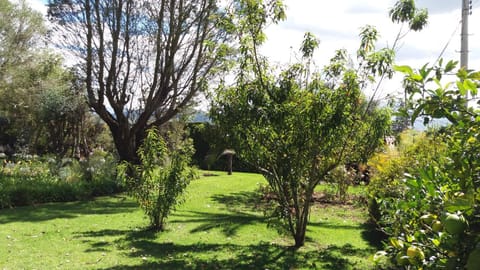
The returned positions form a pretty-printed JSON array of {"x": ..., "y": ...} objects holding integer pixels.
[
  {"x": 299, "y": 238},
  {"x": 301, "y": 226},
  {"x": 127, "y": 144},
  {"x": 157, "y": 223}
]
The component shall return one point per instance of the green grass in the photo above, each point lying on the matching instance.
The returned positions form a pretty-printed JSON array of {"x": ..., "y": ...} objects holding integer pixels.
[{"x": 220, "y": 226}]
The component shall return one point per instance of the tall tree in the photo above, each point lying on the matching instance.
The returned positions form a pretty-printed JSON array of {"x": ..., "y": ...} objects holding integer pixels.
[
  {"x": 21, "y": 70},
  {"x": 41, "y": 109},
  {"x": 21, "y": 28},
  {"x": 143, "y": 61}
]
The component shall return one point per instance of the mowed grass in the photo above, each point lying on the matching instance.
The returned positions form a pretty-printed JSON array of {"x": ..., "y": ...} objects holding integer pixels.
[{"x": 219, "y": 226}]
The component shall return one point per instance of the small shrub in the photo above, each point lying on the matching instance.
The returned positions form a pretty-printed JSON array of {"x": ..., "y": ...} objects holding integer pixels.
[
  {"x": 414, "y": 151},
  {"x": 161, "y": 178},
  {"x": 342, "y": 179},
  {"x": 100, "y": 173}
]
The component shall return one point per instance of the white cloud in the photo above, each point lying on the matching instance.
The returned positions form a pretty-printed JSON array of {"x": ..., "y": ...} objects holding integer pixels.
[
  {"x": 337, "y": 24},
  {"x": 38, "y": 5},
  {"x": 438, "y": 6}
]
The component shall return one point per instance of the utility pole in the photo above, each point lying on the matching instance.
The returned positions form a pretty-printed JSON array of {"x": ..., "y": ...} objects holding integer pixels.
[{"x": 466, "y": 11}]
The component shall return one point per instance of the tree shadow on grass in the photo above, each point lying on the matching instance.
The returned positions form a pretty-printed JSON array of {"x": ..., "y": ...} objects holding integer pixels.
[
  {"x": 257, "y": 256},
  {"x": 91, "y": 237},
  {"x": 373, "y": 236},
  {"x": 146, "y": 252},
  {"x": 247, "y": 200},
  {"x": 228, "y": 223},
  {"x": 118, "y": 204}
]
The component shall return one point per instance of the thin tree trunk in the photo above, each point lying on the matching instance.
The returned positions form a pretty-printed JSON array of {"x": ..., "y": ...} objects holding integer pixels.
[{"x": 301, "y": 228}]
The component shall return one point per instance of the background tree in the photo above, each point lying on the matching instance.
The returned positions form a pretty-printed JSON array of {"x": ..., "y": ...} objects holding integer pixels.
[
  {"x": 298, "y": 126},
  {"x": 64, "y": 125},
  {"x": 20, "y": 30},
  {"x": 43, "y": 107},
  {"x": 142, "y": 61}
]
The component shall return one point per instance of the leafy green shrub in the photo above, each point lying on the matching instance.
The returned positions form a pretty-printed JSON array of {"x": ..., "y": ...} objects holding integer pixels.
[
  {"x": 99, "y": 171},
  {"x": 432, "y": 219},
  {"x": 40, "y": 180},
  {"x": 161, "y": 178},
  {"x": 415, "y": 150},
  {"x": 342, "y": 179},
  {"x": 430, "y": 216}
]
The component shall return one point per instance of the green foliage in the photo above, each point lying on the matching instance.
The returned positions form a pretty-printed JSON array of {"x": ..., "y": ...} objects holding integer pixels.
[
  {"x": 309, "y": 44},
  {"x": 161, "y": 178},
  {"x": 43, "y": 106},
  {"x": 342, "y": 179},
  {"x": 295, "y": 130},
  {"x": 34, "y": 180},
  {"x": 248, "y": 19},
  {"x": 413, "y": 151},
  {"x": 42, "y": 109},
  {"x": 20, "y": 29},
  {"x": 64, "y": 125},
  {"x": 437, "y": 206},
  {"x": 405, "y": 11}
]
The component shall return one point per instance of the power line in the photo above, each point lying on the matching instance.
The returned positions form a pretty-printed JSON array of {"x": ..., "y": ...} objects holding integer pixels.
[
  {"x": 449, "y": 41},
  {"x": 470, "y": 8}
]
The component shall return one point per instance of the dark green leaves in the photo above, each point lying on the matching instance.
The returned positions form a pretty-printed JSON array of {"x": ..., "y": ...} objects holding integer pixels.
[
  {"x": 309, "y": 44},
  {"x": 405, "y": 11}
]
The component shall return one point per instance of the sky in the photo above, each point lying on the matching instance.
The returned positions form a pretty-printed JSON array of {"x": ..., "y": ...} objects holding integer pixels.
[{"x": 337, "y": 25}]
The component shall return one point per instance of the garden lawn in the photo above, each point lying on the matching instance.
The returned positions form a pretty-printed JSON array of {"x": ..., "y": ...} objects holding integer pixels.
[{"x": 219, "y": 226}]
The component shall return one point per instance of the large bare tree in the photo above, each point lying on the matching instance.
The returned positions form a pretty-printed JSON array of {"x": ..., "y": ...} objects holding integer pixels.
[{"x": 143, "y": 61}]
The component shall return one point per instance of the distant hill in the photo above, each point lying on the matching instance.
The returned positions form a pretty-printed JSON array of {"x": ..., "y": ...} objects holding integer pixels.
[
  {"x": 442, "y": 122},
  {"x": 201, "y": 117}
]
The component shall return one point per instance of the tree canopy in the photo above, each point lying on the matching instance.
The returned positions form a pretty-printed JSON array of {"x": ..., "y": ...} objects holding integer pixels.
[
  {"x": 142, "y": 61},
  {"x": 297, "y": 126},
  {"x": 42, "y": 108}
]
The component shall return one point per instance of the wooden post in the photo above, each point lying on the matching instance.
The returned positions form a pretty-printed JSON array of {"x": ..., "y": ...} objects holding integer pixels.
[{"x": 230, "y": 164}]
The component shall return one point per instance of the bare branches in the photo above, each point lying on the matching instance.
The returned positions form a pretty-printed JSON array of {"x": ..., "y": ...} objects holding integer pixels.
[{"x": 143, "y": 61}]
